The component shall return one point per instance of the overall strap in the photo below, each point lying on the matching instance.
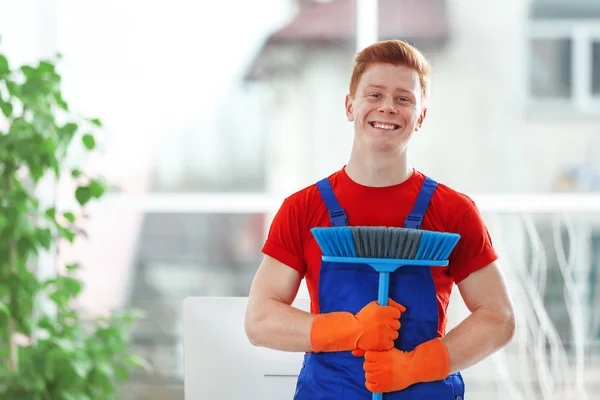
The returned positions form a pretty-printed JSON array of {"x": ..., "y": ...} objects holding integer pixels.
[
  {"x": 415, "y": 218},
  {"x": 336, "y": 212}
]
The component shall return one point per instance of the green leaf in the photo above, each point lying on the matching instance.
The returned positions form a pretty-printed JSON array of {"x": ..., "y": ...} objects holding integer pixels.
[
  {"x": 59, "y": 298},
  {"x": 131, "y": 315},
  {"x": 68, "y": 130},
  {"x": 72, "y": 267},
  {"x": 60, "y": 101},
  {"x": 7, "y": 109},
  {"x": 4, "y": 309},
  {"x": 44, "y": 238},
  {"x": 106, "y": 369},
  {"x": 138, "y": 362},
  {"x": 47, "y": 324},
  {"x": 51, "y": 213},
  {"x": 81, "y": 367},
  {"x": 75, "y": 173},
  {"x": 88, "y": 141},
  {"x": 83, "y": 194},
  {"x": 69, "y": 216},
  {"x": 75, "y": 396},
  {"x": 65, "y": 345},
  {"x": 66, "y": 233},
  {"x": 69, "y": 396},
  {"x": 71, "y": 286},
  {"x": 26, "y": 243},
  {"x": 29, "y": 72},
  {"x": 27, "y": 322},
  {"x": 48, "y": 282},
  {"x": 13, "y": 88},
  {"x": 97, "y": 188},
  {"x": 122, "y": 372},
  {"x": 4, "y": 68},
  {"x": 96, "y": 122},
  {"x": 46, "y": 67}
]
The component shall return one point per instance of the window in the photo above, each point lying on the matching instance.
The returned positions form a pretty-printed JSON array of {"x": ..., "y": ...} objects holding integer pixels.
[
  {"x": 564, "y": 55},
  {"x": 596, "y": 67},
  {"x": 550, "y": 72},
  {"x": 564, "y": 65}
]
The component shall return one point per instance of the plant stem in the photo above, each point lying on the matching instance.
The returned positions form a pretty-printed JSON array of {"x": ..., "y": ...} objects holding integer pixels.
[{"x": 12, "y": 326}]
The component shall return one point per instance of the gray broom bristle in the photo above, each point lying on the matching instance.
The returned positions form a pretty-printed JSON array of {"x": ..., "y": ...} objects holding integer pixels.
[
  {"x": 413, "y": 243},
  {"x": 382, "y": 242}
]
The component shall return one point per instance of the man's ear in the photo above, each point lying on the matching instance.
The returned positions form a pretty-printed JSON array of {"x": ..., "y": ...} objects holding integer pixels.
[
  {"x": 349, "y": 114},
  {"x": 421, "y": 119}
]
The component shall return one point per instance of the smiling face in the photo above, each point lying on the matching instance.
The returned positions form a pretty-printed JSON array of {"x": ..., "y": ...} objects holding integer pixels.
[{"x": 386, "y": 108}]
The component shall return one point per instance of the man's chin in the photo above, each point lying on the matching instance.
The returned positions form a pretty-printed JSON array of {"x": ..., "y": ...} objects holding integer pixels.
[
  {"x": 385, "y": 144},
  {"x": 369, "y": 141}
]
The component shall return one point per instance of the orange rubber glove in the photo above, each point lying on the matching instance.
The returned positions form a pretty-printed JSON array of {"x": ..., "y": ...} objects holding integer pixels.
[
  {"x": 375, "y": 327},
  {"x": 393, "y": 370}
]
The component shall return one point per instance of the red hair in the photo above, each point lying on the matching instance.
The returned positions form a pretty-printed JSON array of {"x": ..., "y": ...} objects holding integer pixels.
[{"x": 395, "y": 52}]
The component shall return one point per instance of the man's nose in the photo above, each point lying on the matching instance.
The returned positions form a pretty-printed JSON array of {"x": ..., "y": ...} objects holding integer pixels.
[{"x": 388, "y": 107}]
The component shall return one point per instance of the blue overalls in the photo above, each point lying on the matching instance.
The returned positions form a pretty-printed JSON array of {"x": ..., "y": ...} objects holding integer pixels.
[{"x": 349, "y": 287}]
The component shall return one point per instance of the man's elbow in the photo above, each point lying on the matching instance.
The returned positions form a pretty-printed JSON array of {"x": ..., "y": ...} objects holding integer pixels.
[
  {"x": 252, "y": 328},
  {"x": 508, "y": 325}
]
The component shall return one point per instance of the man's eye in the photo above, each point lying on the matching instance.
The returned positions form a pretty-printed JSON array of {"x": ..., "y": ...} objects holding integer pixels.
[
  {"x": 376, "y": 95},
  {"x": 402, "y": 99}
]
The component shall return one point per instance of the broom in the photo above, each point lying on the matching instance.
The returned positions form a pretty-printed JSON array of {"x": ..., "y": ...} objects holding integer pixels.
[{"x": 385, "y": 250}]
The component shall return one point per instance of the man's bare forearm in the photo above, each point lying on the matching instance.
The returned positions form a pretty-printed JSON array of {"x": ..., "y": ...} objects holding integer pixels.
[
  {"x": 481, "y": 334},
  {"x": 277, "y": 325}
]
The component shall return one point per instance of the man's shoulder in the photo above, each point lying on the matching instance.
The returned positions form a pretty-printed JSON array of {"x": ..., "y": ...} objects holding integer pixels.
[
  {"x": 311, "y": 191},
  {"x": 453, "y": 198},
  {"x": 454, "y": 208},
  {"x": 451, "y": 194},
  {"x": 308, "y": 196}
]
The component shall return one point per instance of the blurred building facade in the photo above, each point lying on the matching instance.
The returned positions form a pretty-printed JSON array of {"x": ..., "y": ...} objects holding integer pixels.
[{"x": 191, "y": 106}]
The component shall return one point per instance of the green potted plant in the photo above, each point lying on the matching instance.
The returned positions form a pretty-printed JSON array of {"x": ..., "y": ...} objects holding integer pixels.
[{"x": 48, "y": 352}]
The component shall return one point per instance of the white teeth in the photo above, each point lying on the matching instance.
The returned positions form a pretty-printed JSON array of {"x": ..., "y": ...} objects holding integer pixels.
[{"x": 383, "y": 126}]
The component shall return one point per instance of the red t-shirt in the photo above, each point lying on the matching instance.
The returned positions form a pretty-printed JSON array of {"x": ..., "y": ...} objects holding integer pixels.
[{"x": 291, "y": 242}]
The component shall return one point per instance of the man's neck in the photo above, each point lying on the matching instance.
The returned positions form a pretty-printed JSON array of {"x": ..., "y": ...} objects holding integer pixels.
[{"x": 378, "y": 170}]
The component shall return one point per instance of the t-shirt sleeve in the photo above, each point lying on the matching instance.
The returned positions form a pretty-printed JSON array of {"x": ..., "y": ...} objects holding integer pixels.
[
  {"x": 285, "y": 239},
  {"x": 474, "y": 249}
]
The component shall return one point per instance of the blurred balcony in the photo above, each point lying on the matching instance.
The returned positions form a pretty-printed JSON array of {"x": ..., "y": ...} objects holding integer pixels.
[{"x": 206, "y": 245}]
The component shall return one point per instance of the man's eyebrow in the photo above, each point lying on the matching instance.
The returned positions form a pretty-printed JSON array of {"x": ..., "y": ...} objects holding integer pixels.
[{"x": 382, "y": 87}]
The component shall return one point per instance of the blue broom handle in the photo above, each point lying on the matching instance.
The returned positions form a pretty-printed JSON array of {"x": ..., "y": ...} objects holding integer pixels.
[
  {"x": 384, "y": 288},
  {"x": 382, "y": 300}
]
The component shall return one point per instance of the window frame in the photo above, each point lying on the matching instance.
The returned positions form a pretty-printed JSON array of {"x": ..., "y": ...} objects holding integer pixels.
[{"x": 582, "y": 33}]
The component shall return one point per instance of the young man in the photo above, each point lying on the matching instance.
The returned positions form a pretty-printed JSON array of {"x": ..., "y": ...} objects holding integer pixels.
[{"x": 354, "y": 346}]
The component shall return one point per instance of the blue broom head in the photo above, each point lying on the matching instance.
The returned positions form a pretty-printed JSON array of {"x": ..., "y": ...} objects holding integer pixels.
[
  {"x": 385, "y": 242},
  {"x": 336, "y": 242}
]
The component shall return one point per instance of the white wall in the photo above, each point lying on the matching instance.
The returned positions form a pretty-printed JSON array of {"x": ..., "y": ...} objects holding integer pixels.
[
  {"x": 470, "y": 139},
  {"x": 309, "y": 136},
  {"x": 479, "y": 97}
]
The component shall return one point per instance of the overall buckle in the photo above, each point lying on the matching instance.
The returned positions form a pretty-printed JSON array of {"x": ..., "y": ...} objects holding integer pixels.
[
  {"x": 338, "y": 217},
  {"x": 413, "y": 221}
]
